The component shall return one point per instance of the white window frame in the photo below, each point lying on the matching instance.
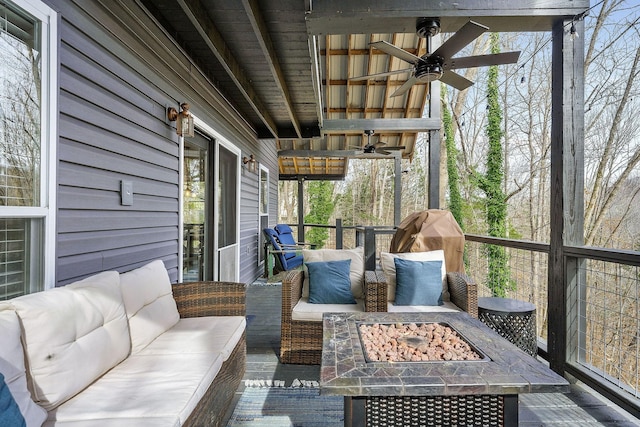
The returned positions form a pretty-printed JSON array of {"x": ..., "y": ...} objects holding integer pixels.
[
  {"x": 260, "y": 258},
  {"x": 48, "y": 133}
]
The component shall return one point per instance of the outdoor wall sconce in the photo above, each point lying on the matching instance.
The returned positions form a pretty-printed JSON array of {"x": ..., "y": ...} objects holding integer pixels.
[
  {"x": 183, "y": 119},
  {"x": 251, "y": 163}
]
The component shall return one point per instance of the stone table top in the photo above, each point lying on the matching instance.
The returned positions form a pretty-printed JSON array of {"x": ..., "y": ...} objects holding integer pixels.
[
  {"x": 505, "y": 305},
  {"x": 505, "y": 370}
]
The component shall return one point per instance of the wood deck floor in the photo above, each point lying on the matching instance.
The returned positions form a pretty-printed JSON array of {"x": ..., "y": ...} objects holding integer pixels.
[{"x": 581, "y": 407}]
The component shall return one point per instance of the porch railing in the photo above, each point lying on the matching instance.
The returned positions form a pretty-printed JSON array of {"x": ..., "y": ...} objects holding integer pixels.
[{"x": 603, "y": 304}]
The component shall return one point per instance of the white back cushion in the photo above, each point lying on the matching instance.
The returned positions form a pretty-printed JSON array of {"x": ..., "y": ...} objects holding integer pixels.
[
  {"x": 72, "y": 335},
  {"x": 306, "y": 312},
  {"x": 389, "y": 269},
  {"x": 356, "y": 270},
  {"x": 149, "y": 303},
  {"x": 12, "y": 366}
]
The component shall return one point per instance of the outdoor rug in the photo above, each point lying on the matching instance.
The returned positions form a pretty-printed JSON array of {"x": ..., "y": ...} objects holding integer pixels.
[{"x": 287, "y": 407}]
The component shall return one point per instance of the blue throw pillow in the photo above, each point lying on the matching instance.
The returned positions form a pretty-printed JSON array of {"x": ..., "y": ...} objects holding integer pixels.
[
  {"x": 418, "y": 282},
  {"x": 329, "y": 282},
  {"x": 10, "y": 414}
]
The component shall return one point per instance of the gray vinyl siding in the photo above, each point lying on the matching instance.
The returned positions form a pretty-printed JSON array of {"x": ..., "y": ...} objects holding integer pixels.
[
  {"x": 249, "y": 218},
  {"x": 249, "y": 215},
  {"x": 118, "y": 72}
]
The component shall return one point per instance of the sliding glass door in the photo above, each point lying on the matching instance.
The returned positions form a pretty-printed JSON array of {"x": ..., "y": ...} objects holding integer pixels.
[
  {"x": 210, "y": 209},
  {"x": 196, "y": 211}
]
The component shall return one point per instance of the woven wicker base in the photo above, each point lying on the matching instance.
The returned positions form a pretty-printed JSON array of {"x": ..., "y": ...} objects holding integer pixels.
[
  {"x": 213, "y": 405},
  {"x": 518, "y": 327},
  {"x": 305, "y": 346},
  {"x": 197, "y": 299},
  {"x": 436, "y": 411}
]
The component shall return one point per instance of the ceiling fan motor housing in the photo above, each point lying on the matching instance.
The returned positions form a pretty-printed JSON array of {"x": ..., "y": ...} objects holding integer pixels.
[
  {"x": 427, "y": 27},
  {"x": 428, "y": 70}
]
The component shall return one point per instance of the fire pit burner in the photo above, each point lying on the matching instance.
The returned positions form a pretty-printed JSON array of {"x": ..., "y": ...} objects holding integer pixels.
[{"x": 410, "y": 342}]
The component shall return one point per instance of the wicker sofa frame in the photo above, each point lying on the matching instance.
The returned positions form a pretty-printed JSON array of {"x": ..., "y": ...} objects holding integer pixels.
[
  {"x": 301, "y": 341},
  {"x": 199, "y": 299}
]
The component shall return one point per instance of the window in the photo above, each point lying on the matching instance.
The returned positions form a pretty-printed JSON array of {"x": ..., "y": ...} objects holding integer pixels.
[
  {"x": 263, "y": 211},
  {"x": 27, "y": 144}
]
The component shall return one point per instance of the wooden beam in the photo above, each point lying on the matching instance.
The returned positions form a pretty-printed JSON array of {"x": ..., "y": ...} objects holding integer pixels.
[
  {"x": 435, "y": 142},
  {"x": 199, "y": 17},
  {"x": 264, "y": 40},
  {"x": 315, "y": 76},
  {"x": 567, "y": 191},
  {"x": 301, "y": 210},
  {"x": 380, "y": 125},
  {"x": 376, "y": 110},
  {"x": 397, "y": 191},
  {"x": 350, "y": 16},
  {"x": 309, "y": 177},
  {"x": 318, "y": 153},
  {"x": 434, "y": 170}
]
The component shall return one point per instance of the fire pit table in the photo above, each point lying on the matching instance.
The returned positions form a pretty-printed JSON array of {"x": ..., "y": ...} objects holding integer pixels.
[{"x": 477, "y": 390}]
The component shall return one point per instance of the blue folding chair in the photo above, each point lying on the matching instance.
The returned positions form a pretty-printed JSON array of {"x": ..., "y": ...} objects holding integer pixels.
[{"x": 286, "y": 251}]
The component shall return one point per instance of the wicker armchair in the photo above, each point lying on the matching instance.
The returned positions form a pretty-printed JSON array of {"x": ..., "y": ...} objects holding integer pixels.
[
  {"x": 301, "y": 341},
  {"x": 199, "y": 299}
]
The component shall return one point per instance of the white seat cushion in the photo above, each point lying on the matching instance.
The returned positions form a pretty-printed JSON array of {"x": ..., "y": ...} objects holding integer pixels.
[
  {"x": 218, "y": 334},
  {"x": 118, "y": 422},
  {"x": 447, "y": 306},
  {"x": 356, "y": 269},
  {"x": 389, "y": 269},
  {"x": 149, "y": 303},
  {"x": 305, "y": 311},
  {"x": 166, "y": 387},
  {"x": 12, "y": 366},
  {"x": 72, "y": 335}
]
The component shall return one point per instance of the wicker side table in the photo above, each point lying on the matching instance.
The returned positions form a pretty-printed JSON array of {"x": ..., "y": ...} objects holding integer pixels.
[{"x": 512, "y": 319}]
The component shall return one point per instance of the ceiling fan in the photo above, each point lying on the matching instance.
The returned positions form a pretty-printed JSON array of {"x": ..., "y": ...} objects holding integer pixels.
[
  {"x": 378, "y": 147},
  {"x": 438, "y": 65}
]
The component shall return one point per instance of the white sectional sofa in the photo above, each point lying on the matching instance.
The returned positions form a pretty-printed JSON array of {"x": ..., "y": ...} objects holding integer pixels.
[{"x": 125, "y": 350}]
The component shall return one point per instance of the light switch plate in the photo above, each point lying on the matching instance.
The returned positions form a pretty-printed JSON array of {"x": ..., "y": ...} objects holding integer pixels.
[{"x": 126, "y": 193}]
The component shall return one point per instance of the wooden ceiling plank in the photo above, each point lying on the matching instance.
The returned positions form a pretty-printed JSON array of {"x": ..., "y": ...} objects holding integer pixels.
[
  {"x": 266, "y": 45},
  {"x": 200, "y": 19}
]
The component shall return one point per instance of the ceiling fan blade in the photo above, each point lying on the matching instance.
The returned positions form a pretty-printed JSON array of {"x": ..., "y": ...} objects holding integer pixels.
[
  {"x": 455, "y": 80},
  {"x": 405, "y": 87},
  {"x": 395, "y": 51},
  {"x": 389, "y": 153},
  {"x": 465, "y": 35},
  {"x": 388, "y": 73},
  {"x": 481, "y": 60},
  {"x": 379, "y": 144},
  {"x": 395, "y": 147}
]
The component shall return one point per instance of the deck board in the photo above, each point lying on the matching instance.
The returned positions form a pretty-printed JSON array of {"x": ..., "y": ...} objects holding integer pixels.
[{"x": 581, "y": 407}]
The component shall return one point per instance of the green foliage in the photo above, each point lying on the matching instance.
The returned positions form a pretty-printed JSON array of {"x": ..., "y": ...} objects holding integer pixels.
[
  {"x": 499, "y": 277},
  {"x": 455, "y": 198},
  {"x": 321, "y": 207}
]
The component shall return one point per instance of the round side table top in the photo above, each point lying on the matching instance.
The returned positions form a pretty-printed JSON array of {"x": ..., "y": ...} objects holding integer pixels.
[{"x": 505, "y": 305}]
